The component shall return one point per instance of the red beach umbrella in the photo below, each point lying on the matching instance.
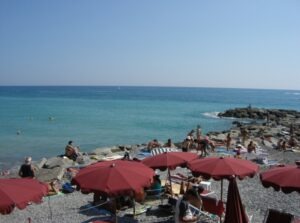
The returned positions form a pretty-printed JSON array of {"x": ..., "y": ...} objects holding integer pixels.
[
  {"x": 235, "y": 211},
  {"x": 17, "y": 192},
  {"x": 169, "y": 160},
  {"x": 283, "y": 177},
  {"x": 220, "y": 168},
  {"x": 113, "y": 178}
]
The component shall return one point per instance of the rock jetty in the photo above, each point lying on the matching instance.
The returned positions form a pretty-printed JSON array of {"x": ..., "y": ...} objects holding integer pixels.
[{"x": 286, "y": 118}]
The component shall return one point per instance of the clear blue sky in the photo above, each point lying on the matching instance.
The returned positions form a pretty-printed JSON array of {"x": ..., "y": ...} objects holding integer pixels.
[{"x": 243, "y": 43}]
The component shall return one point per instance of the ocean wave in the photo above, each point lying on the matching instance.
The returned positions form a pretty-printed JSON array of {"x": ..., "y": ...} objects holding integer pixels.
[
  {"x": 211, "y": 114},
  {"x": 215, "y": 115},
  {"x": 293, "y": 93}
]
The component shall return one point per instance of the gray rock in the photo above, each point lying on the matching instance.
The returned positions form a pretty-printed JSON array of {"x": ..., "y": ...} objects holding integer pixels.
[{"x": 47, "y": 175}]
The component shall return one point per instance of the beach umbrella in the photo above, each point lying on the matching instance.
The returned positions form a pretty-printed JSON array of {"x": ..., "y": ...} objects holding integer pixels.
[
  {"x": 114, "y": 178},
  {"x": 220, "y": 168},
  {"x": 17, "y": 192},
  {"x": 169, "y": 160},
  {"x": 235, "y": 212},
  {"x": 282, "y": 177}
]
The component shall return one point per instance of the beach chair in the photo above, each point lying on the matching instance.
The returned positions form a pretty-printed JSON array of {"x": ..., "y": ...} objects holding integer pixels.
[
  {"x": 155, "y": 194},
  {"x": 213, "y": 206},
  {"x": 275, "y": 216},
  {"x": 179, "y": 178}
]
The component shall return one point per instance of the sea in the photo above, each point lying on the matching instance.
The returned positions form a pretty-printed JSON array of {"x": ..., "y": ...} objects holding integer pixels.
[{"x": 38, "y": 121}]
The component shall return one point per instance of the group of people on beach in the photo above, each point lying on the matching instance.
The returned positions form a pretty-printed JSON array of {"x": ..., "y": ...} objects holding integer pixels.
[
  {"x": 284, "y": 145},
  {"x": 198, "y": 142},
  {"x": 193, "y": 141},
  {"x": 155, "y": 144},
  {"x": 28, "y": 170}
]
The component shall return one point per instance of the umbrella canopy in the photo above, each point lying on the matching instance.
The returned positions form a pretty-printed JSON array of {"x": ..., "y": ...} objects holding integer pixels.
[
  {"x": 220, "y": 168},
  {"x": 284, "y": 177},
  {"x": 235, "y": 211},
  {"x": 169, "y": 160},
  {"x": 113, "y": 178},
  {"x": 223, "y": 168},
  {"x": 17, "y": 192}
]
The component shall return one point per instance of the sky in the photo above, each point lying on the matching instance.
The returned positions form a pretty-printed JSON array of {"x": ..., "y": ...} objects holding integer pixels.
[{"x": 239, "y": 44}]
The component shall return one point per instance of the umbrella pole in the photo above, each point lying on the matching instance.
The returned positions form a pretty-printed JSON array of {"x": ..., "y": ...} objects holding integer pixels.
[
  {"x": 170, "y": 181},
  {"x": 221, "y": 189},
  {"x": 133, "y": 208},
  {"x": 116, "y": 216}
]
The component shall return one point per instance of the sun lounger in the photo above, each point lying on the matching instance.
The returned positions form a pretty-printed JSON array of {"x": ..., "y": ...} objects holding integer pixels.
[
  {"x": 213, "y": 206},
  {"x": 155, "y": 194},
  {"x": 173, "y": 200},
  {"x": 179, "y": 178}
]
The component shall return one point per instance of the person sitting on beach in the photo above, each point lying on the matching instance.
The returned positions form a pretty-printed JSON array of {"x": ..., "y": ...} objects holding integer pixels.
[
  {"x": 191, "y": 134},
  {"x": 186, "y": 144},
  {"x": 279, "y": 144},
  {"x": 27, "y": 169},
  {"x": 169, "y": 144},
  {"x": 284, "y": 146},
  {"x": 126, "y": 155},
  {"x": 71, "y": 151},
  {"x": 156, "y": 187},
  {"x": 153, "y": 144},
  {"x": 53, "y": 187},
  {"x": 251, "y": 147},
  {"x": 183, "y": 212},
  {"x": 292, "y": 142}
]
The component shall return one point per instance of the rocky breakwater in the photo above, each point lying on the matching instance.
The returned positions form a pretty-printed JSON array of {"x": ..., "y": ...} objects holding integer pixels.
[{"x": 290, "y": 119}]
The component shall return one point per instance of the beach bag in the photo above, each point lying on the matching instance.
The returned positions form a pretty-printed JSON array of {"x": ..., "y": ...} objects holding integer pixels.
[{"x": 67, "y": 188}]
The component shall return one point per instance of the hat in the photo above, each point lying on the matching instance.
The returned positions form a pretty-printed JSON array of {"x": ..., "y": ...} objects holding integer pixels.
[
  {"x": 28, "y": 160},
  {"x": 188, "y": 138}
]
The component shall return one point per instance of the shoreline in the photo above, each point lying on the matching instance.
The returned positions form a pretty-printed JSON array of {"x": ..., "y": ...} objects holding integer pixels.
[
  {"x": 255, "y": 197},
  {"x": 241, "y": 117}
]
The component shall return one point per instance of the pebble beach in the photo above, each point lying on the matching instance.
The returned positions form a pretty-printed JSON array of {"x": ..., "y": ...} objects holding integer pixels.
[{"x": 76, "y": 207}]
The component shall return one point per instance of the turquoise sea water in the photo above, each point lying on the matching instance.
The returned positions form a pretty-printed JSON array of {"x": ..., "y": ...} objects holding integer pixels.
[{"x": 103, "y": 116}]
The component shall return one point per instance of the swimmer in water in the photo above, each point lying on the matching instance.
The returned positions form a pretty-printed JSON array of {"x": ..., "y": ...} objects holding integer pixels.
[
  {"x": 51, "y": 118},
  {"x": 19, "y": 132}
]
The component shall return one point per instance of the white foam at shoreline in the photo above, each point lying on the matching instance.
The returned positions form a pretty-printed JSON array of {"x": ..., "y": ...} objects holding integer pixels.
[
  {"x": 215, "y": 115},
  {"x": 212, "y": 114}
]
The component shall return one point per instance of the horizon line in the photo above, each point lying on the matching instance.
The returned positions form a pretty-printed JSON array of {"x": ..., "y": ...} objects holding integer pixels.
[{"x": 151, "y": 86}]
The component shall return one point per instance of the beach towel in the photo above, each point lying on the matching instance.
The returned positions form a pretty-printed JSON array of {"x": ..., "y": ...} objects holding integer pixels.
[{"x": 162, "y": 150}]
